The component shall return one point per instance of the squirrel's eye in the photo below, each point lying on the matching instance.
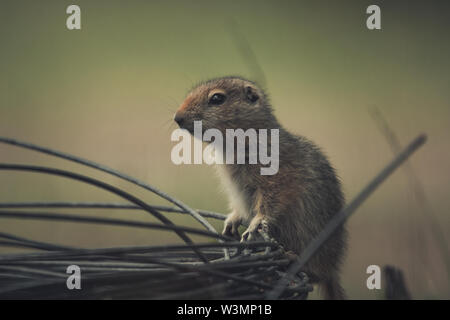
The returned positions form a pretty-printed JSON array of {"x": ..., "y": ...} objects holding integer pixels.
[{"x": 217, "y": 99}]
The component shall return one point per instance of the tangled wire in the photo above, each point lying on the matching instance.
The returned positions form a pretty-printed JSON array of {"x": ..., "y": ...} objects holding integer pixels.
[{"x": 220, "y": 269}]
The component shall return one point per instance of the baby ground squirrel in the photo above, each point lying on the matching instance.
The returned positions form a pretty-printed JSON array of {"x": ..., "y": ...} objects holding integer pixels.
[{"x": 294, "y": 204}]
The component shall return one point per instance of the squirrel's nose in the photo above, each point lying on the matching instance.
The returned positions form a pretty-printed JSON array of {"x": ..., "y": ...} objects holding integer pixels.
[{"x": 179, "y": 118}]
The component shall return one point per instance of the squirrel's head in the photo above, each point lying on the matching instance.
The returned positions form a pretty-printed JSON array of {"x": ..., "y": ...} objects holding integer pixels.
[{"x": 225, "y": 103}]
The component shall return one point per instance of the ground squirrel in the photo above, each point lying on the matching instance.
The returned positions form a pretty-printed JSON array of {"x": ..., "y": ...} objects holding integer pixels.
[{"x": 295, "y": 203}]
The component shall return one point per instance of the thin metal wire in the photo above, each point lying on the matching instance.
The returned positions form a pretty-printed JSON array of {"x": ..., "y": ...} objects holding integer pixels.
[
  {"x": 36, "y": 244},
  {"x": 107, "y": 187},
  {"x": 104, "y": 205},
  {"x": 215, "y": 270},
  {"x": 111, "y": 171},
  {"x": 128, "y": 250},
  {"x": 117, "y": 222}
]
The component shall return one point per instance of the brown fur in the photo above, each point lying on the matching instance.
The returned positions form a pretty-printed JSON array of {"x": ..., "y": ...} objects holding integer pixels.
[{"x": 296, "y": 203}]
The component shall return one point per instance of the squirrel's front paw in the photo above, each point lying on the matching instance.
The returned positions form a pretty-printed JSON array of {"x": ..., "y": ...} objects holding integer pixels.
[
  {"x": 231, "y": 226},
  {"x": 257, "y": 225}
]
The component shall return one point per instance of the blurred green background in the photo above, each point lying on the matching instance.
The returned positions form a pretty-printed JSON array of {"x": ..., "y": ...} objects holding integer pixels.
[{"x": 108, "y": 93}]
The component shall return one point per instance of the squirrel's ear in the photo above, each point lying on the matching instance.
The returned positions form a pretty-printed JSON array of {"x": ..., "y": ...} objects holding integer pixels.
[{"x": 251, "y": 94}]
